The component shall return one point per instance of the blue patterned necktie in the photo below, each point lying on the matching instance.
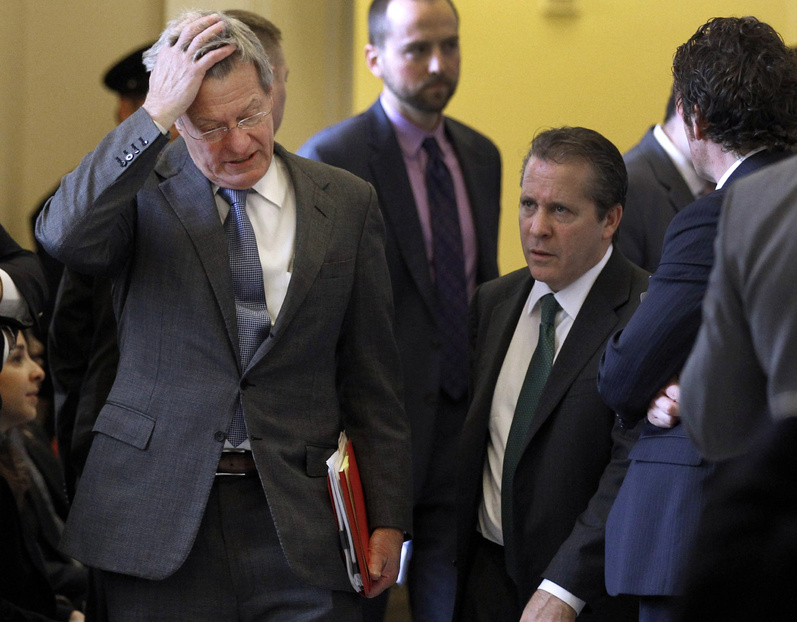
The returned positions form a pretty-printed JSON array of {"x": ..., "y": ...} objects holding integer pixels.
[
  {"x": 449, "y": 270},
  {"x": 533, "y": 385},
  {"x": 254, "y": 323}
]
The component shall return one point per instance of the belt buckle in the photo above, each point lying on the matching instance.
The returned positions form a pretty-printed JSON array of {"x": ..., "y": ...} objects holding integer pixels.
[{"x": 235, "y": 451}]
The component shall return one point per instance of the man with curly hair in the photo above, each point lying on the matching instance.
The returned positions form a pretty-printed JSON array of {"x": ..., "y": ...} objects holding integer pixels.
[{"x": 737, "y": 90}]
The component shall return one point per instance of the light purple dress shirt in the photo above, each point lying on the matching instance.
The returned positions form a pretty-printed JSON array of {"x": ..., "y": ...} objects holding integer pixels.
[{"x": 410, "y": 139}]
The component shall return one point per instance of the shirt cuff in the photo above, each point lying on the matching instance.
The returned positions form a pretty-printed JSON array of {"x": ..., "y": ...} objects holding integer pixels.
[
  {"x": 162, "y": 129},
  {"x": 562, "y": 594},
  {"x": 13, "y": 305}
]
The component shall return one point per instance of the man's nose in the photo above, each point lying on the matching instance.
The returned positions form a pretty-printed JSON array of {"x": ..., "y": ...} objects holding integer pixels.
[{"x": 435, "y": 62}]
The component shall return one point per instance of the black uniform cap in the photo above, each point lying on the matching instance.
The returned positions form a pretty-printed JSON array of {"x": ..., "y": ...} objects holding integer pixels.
[{"x": 129, "y": 76}]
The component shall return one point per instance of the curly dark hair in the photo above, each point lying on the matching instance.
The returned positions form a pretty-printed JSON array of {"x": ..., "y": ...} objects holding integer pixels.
[{"x": 742, "y": 79}]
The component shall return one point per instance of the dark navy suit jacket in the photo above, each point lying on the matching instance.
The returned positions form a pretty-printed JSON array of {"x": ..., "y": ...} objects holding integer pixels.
[
  {"x": 653, "y": 520},
  {"x": 366, "y": 145}
]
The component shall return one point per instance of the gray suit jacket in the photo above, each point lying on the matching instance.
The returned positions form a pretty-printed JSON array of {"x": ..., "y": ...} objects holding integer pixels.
[
  {"x": 366, "y": 145},
  {"x": 656, "y": 193},
  {"x": 142, "y": 213},
  {"x": 742, "y": 372},
  {"x": 574, "y": 460}
]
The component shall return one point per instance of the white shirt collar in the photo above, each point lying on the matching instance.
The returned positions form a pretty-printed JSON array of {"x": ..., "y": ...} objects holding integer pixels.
[
  {"x": 734, "y": 166},
  {"x": 571, "y": 297},
  {"x": 687, "y": 171},
  {"x": 274, "y": 185}
]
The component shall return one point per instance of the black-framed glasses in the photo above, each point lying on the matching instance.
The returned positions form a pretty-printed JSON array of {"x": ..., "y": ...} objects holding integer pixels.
[{"x": 215, "y": 135}]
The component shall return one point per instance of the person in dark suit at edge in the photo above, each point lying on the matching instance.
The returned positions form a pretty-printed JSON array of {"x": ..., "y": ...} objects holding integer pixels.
[
  {"x": 414, "y": 49},
  {"x": 255, "y": 323},
  {"x": 732, "y": 131},
  {"x": 661, "y": 181},
  {"x": 541, "y": 455},
  {"x": 739, "y": 404}
]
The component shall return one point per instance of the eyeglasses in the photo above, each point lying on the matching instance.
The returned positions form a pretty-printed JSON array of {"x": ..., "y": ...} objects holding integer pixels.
[{"x": 214, "y": 136}]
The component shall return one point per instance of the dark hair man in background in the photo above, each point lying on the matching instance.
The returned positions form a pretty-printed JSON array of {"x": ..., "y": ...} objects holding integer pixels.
[
  {"x": 439, "y": 185},
  {"x": 661, "y": 181}
]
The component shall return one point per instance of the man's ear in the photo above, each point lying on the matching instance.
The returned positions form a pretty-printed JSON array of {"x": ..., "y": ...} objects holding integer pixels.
[
  {"x": 612, "y": 221},
  {"x": 373, "y": 60},
  {"x": 698, "y": 124}
]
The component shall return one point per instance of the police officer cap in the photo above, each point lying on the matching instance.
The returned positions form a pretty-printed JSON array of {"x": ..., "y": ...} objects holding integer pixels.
[{"x": 129, "y": 76}]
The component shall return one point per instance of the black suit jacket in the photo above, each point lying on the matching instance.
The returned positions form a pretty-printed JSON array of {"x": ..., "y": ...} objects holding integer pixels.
[
  {"x": 366, "y": 145},
  {"x": 654, "y": 519},
  {"x": 656, "y": 193},
  {"x": 574, "y": 458}
]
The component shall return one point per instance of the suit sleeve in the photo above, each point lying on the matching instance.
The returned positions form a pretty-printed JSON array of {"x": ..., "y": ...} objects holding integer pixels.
[
  {"x": 578, "y": 565},
  {"x": 642, "y": 358},
  {"x": 89, "y": 223},
  {"x": 370, "y": 384},
  {"x": 725, "y": 385}
]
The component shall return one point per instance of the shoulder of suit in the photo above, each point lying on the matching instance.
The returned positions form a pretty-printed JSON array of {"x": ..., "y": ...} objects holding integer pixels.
[
  {"x": 320, "y": 173},
  {"x": 506, "y": 285},
  {"x": 340, "y": 137},
  {"x": 458, "y": 131}
]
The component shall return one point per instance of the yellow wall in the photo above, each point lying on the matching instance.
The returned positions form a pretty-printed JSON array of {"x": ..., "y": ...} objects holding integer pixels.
[{"x": 608, "y": 69}]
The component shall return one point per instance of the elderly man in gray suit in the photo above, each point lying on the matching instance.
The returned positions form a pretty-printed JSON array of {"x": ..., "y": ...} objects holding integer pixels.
[{"x": 255, "y": 323}]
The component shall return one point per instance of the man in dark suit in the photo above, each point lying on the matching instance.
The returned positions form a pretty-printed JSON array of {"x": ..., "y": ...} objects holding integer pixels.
[
  {"x": 661, "y": 181},
  {"x": 739, "y": 401},
  {"x": 732, "y": 132},
  {"x": 740, "y": 376},
  {"x": 244, "y": 349},
  {"x": 541, "y": 456},
  {"x": 414, "y": 49}
]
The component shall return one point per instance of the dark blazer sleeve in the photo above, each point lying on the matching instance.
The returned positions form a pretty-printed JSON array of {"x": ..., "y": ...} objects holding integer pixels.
[{"x": 653, "y": 347}]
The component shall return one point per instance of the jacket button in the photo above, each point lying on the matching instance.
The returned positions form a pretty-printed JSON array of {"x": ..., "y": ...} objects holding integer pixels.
[
  {"x": 431, "y": 399},
  {"x": 220, "y": 436}
]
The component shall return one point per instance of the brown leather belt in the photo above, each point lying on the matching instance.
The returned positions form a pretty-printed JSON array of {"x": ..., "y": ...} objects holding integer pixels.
[{"x": 239, "y": 462}]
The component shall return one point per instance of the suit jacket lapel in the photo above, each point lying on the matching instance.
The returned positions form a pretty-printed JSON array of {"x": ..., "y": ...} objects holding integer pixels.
[
  {"x": 678, "y": 193},
  {"x": 501, "y": 328},
  {"x": 479, "y": 177},
  {"x": 315, "y": 214},
  {"x": 596, "y": 320},
  {"x": 189, "y": 194},
  {"x": 397, "y": 201}
]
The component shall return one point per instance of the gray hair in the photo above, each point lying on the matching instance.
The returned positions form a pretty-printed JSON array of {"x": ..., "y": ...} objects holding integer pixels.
[{"x": 236, "y": 33}]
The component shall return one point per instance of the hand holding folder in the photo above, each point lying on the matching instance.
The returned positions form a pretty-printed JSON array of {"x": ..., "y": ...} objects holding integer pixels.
[{"x": 348, "y": 501}]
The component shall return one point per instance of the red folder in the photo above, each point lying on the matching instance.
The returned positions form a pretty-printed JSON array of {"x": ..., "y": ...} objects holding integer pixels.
[{"x": 348, "y": 502}]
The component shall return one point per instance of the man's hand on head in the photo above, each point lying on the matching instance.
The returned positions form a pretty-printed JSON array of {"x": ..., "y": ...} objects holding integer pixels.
[{"x": 177, "y": 75}]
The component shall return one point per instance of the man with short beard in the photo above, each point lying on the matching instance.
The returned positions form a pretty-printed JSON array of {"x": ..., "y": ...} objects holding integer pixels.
[{"x": 435, "y": 262}]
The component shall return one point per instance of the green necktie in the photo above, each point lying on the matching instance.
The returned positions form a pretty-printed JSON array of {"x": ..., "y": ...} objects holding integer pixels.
[{"x": 533, "y": 384}]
